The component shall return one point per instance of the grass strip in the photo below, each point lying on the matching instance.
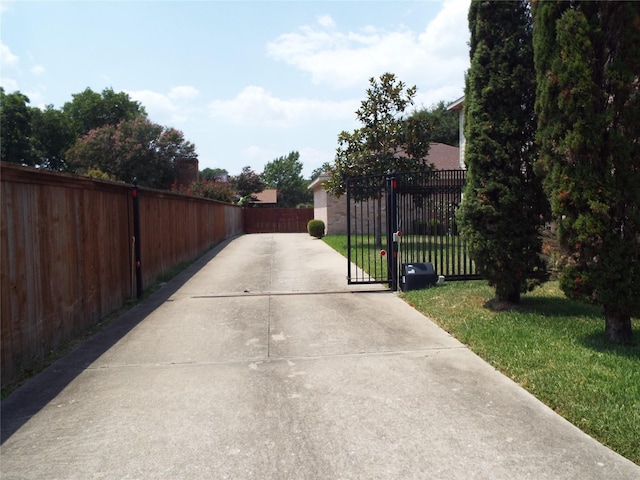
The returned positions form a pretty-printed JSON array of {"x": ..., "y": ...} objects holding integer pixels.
[
  {"x": 552, "y": 346},
  {"x": 555, "y": 348}
]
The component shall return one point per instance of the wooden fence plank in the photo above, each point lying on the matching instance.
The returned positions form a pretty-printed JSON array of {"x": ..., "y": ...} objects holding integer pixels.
[
  {"x": 66, "y": 253},
  {"x": 277, "y": 220}
]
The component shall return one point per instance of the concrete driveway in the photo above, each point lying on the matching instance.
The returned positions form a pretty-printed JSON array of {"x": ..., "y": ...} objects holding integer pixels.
[{"x": 259, "y": 362}]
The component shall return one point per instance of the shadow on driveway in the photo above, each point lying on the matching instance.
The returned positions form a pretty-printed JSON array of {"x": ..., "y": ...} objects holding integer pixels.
[{"x": 37, "y": 392}]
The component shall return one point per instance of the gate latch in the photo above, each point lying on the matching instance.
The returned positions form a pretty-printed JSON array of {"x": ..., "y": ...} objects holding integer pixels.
[{"x": 396, "y": 236}]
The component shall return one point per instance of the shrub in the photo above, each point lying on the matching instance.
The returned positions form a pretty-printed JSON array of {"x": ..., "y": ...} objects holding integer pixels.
[{"x": 315, "y": 228}]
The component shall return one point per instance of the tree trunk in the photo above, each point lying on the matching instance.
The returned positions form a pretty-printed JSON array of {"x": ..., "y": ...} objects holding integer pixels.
[
  {"x": 618, "y": 327},
  {"x": 509, "y": 297}
]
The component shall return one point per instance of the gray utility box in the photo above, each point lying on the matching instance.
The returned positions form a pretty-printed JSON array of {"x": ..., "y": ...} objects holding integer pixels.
[{"x": 417, "y": 275}]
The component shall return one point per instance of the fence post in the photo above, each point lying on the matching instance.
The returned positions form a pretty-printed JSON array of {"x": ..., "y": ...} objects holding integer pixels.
[
  {"x": 136, "y": 237},
  {"x": 392, "y": 227},
  {"x": 349, "y": 231}
]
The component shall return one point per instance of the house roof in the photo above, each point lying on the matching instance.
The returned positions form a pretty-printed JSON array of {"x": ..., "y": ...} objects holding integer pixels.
[
  {"x": 317, "y": 182},
  {"x": 441, "y": 155},
  {"x": 444, "y": 157},
  {"x": 268, "y": 196},
  {"x": 457, "y": 105}
]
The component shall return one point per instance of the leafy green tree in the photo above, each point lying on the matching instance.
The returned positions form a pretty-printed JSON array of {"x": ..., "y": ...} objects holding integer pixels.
[
  {"x": 588, "y": 106},
  {"x": 285, "y": 174},
  {"x": 133, "y": 148},
  {"x": 380, "y": 145},
  {"x": 52, "y": 137},
  {"x": 15, "y": 129},
  {"x": 503, "y": 204},
  {"x": 89, "y": 110},
  {"x": 317, "y": 172},
  {"x": 385, "y": 142},
  {"x": 443, "y": 124},
  {"x": 172, "y": 149},
  {"x": 211, "y": 173},
  {"x": 247, "y": 183},
  {"x": 213, "y": 190}
]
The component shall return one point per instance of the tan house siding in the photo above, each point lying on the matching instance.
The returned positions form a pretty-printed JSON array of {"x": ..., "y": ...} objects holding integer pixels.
[
  {"x": 327, "y": 207},
  {"x": 458, "y": 106},
  {"x": 333, "y": 211}
]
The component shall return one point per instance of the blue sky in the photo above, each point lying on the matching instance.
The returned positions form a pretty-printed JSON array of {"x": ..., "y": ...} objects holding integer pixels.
[{"x": 246, "y": 81}]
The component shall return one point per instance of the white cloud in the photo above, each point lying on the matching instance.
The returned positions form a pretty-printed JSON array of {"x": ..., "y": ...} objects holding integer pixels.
[
  {"x": 448, "y": 33},
  {"x": 166, "y": 108},
  {"x": 256, "y": 106},
  {"x": 326, "y": 21},
  {"x": 183, "y": 92},
  {"x": 37, "y": 69},
  {"x": 7, "y": 58},
  {"x": 9, "y": 64},
  {"x": 313, "y": 158},
  {"x": 5, "y": 6},
  {"x": 153, "y": 101},
  {"x": 9, "y": 84},
  {"x": 345, "y": 59}
]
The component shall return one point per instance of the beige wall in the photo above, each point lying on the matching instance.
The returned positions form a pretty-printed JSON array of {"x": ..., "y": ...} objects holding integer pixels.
[
  {"x": 337, "y": 212},
  {"x": 333, "y": 211}
]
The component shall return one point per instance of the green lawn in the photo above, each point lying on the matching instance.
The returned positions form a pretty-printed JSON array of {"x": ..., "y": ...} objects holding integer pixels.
[
  {"x": 447, "y": 254},
  {"x": 553, "y": 347}
]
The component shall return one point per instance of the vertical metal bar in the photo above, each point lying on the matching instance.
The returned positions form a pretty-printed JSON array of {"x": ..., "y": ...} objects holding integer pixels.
[
  {"x": 392, "y": 222},
  {"x": 136, "y": 235},
  {"x": 348, "y": 231},
  {"x": 363, "y": 231}
]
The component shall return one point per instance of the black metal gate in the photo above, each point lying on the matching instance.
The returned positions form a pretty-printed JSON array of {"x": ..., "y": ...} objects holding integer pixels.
[{"x": 405, "y": 218}]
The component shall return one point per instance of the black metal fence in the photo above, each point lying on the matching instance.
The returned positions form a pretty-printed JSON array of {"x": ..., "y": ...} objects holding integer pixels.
[{"x": 405, "y": 218}]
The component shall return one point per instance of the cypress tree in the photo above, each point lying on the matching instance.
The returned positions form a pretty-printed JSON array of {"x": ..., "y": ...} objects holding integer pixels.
[
  {"x": 588, "y": 104},
  {"x": 503, "y": 201}
]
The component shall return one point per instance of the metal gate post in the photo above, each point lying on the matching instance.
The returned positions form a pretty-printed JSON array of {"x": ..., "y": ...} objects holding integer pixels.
[
  {"x": 349, "y": 231},
  {"x": 392, "y": 228}
]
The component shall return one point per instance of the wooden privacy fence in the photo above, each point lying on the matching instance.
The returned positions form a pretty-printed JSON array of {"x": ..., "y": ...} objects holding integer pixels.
[
  {"x": 277, "y": 220},
  {"x": 67, "y": 253}
]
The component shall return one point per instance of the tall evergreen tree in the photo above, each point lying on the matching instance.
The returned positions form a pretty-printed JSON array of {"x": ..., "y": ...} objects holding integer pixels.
[
  {"x": 503, "y": 201},
  {"x": 588, "y": 106}
]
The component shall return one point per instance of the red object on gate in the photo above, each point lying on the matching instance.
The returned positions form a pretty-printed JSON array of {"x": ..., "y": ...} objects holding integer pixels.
[{"x": 382, "y": 253}]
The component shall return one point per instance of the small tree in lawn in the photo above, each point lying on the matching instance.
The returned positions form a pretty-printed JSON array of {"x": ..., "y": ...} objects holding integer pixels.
[
  {"x": 385, "y": 142},
  {"x": 588, "y": 106},
  {"x": 503, "y": 201}
]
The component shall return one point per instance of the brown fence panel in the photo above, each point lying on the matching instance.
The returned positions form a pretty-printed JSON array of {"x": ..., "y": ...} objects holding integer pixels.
[
  {"x": 65, "y": 260},
  {"x": 277, "y": 220},
  {"x": 67, "y": 253},
  {"x": 177, "y": 228}
]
